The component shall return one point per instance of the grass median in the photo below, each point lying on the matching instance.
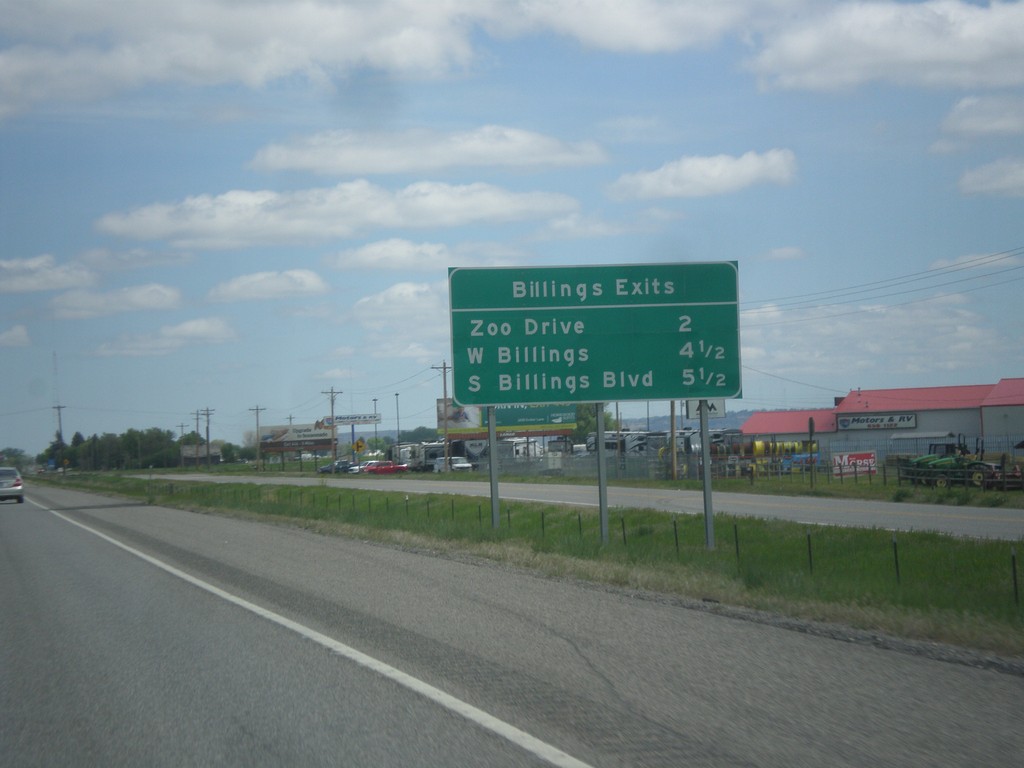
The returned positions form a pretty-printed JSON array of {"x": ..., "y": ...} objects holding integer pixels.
[{"x": 916, "y": 585}]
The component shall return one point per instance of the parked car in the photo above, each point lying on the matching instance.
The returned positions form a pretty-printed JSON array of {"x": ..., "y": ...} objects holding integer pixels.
[
  {"x": 363, "y": 466},
  {"x": 455, "y": 464},
  {"x": 11, "y": 485},
  {"x": 335, "y": 467},
  {"x": 386, "y": 468}
]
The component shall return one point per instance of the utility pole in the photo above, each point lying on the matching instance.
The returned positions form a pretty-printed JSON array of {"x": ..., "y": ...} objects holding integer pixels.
[
  {"x": 58, "y": 408},
  {"x": 60, "y": 434},
  {"x": 443, "y": 368},
  {"x": 398, "y": 432},
  {"x": 181, "y": 454},
  {"x": 332, "y": 393},
  {"x": 376, "y": 447},
  {"x": 207, "y": 413},
  {"x": 195, "y": 452},
  {"x": 258, "y": 409}
]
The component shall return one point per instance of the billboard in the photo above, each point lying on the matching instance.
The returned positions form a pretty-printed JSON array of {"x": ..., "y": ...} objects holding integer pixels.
[
  {"x": 854, "y": 464},
  {"x": 294, "y": 437},
  {"x": 467, "y": 421},
  {"x": 357, "y": 418}
]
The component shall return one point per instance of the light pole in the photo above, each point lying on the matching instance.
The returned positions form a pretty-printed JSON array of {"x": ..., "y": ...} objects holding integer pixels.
[{"x": 398, "y": 433}]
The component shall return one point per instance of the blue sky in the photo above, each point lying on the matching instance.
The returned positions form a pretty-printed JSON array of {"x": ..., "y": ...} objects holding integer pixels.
[{"x": 222, "y": 205}]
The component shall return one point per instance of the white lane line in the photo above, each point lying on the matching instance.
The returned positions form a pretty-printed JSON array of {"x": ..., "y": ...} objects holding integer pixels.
[{"x": 507, "y": 731}]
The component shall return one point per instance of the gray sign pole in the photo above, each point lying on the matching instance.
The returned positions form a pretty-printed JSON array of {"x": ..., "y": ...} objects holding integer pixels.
[
  {"x": 602, "y": 474},
  {"x": 492, "y": 450},
  {"x": 705, "y": 456}
]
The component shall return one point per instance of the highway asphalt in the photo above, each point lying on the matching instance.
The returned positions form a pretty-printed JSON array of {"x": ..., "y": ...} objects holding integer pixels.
[{"x": 142, "y": 635}]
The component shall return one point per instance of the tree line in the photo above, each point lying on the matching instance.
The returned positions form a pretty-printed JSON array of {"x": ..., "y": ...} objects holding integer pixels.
[
  {"x": 161, "y": 448},
  {"x": 133, "y": 449}
]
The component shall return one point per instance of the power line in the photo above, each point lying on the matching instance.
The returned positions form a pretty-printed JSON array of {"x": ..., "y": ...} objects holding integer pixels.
[
  {"x": 793, "y": 381},
  {"x": 901, "y": 279},
  {"x": 873, "y": 309},
  {"x": 811, "y": 305}
]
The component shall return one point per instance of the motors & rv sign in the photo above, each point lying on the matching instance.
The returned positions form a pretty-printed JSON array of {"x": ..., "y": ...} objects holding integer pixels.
[{"x": 878, "y": 421}]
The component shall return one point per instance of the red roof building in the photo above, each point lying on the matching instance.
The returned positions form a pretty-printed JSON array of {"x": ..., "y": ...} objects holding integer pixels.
[
  {"x": 1007, "y": 392},
  {"x": 915, "y": 399},
  {"x": 907, "y": 420},
  {"x": 789, "y": 422}
]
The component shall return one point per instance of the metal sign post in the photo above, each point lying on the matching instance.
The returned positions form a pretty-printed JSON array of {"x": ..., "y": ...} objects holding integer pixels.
[
  {"x": 492, "y": 450},
  {"x": 602, "y": 473},
  {"x": 705, "y": 457}
]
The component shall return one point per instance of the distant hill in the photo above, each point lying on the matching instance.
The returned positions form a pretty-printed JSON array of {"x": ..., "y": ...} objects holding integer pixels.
[{"x": 732, "y": 420}]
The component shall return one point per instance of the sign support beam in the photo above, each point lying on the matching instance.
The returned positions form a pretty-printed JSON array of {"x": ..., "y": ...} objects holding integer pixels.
[
  {"x": 602, "y": 473},
  {"x": 705, "y": 460},
  {"x": 492, "y": 451}
]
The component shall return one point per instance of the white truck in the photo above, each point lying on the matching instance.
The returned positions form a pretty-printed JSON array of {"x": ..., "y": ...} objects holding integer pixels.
[{"x": 455, "y": 464}]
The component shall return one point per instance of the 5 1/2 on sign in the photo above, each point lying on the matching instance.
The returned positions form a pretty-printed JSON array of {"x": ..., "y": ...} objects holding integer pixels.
[{"x": 710, "y": 377}]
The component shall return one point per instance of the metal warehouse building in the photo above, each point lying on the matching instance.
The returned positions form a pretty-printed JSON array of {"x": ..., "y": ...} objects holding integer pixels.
[{"x": 983, "y": 417}]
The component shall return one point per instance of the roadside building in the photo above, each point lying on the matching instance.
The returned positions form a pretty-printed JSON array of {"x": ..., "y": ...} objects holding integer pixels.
[
  {"x": 198, "y": 456},
  {"x": 977, "y": 418},
  {"x": 790, "y": 426},
  {"x": 1002, "y": 413}
]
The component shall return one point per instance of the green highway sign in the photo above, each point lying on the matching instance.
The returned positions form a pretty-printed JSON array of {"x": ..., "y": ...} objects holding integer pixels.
[{"x": 595, "y": 333}]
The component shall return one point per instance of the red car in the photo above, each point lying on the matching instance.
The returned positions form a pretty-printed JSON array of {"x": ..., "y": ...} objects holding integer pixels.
[{"x": 386, "y": 468}]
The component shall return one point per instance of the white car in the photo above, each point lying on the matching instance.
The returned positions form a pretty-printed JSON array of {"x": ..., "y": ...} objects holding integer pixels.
[{"x": 11, "y": 486}]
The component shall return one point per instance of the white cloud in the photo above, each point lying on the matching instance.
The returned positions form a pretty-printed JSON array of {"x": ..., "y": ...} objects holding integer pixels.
[
  {"x": 404, "y": 304},
  {"x": 337, "y": 374},
  {"x": 41, "y": 273},
  {"x": 388, "y": 316},
  {"x": 786, "y": 253},
  {"x": 940, "y": 43},
  {"x": 986, "y": 116},
  {"x": 16, "y": 336},
  {"x": 400, "y": 255},
  {"x": 83, "y": 304},
  {"x": 250, "y": 218},
  {"x": 707, "y": 176},
  {"x": 352, "y": 153},
  {"x": 270, "y": 285},
  {"x": 170, "y": 338},
  {"x": 86, "y": 51},
  {"x": 646, "y": 26},
  {"x": 875, "y": 342},
  {"x": 395, "y": 254},
  {"x": 634, "y": 128},
  {"x": 576, "y": 225},
  {"x": 1003, "y": 178},
  {"x": 135, "y": 258}
]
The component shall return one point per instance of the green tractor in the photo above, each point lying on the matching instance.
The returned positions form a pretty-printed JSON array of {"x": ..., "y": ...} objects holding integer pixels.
[{"x": 950, "y": 463}]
